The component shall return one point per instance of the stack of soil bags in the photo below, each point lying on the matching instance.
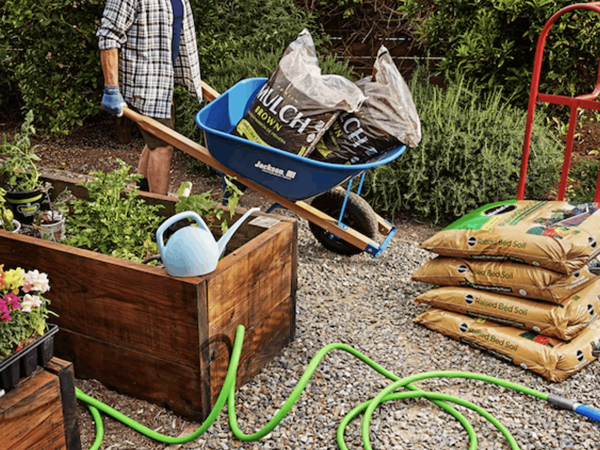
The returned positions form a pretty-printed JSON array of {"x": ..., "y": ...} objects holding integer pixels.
[
  {"x": 517, "y": 279},
  {"x": 299, "y": 110}
]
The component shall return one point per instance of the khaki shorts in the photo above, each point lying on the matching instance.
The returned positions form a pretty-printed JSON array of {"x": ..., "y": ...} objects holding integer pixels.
[{"x": 152, "y": 141}]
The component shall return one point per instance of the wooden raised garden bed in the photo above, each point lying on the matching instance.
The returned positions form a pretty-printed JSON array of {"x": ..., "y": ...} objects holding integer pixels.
[
  {"x": 41, "y": 411},
  {"x": 164, "y": 339}
]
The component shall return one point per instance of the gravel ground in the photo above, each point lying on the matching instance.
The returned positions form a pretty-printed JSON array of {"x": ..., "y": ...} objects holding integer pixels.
[
  {"x": 364, "y": 302},
  {"x": 367, "y": 303}
]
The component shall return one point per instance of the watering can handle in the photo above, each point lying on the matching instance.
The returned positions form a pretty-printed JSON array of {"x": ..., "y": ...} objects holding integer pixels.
[
  {"x": 173, "y": 219},
  {"x": 225, "y": 238}
]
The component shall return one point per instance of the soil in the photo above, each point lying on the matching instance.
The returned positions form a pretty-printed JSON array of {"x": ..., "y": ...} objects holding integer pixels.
[{"x": 95, "y": 147}]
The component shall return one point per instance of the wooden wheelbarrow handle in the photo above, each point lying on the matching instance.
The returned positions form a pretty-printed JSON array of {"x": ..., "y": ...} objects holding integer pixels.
[{"x": 208, "y": 92}]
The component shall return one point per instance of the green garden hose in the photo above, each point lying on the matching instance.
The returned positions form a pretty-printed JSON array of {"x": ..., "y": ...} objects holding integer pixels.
[{"x": 227, "y": 394}]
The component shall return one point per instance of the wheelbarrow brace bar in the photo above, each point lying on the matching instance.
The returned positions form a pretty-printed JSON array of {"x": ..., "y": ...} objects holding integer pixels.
[{"x": 384, "y": 227}]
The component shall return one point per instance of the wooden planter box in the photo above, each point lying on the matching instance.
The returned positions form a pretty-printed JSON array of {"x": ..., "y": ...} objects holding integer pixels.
[
  {"x": 164, "y": 339},
  {"x": 41, "y": 412}
]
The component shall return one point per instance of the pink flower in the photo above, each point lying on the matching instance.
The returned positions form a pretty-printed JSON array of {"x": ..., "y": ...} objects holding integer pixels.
[
  {"x": 4, "y": 312},
  {"x": 13, "y": 301}
]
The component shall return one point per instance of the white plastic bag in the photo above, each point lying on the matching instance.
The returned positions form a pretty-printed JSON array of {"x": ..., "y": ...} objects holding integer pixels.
[{"x": 387, "y": 119}]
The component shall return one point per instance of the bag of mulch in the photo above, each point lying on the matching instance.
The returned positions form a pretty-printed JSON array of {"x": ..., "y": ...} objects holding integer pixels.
[
  {"x": 508, "y": 278},
  {"x": 561, "y": 236},
  {"x": 552, "y": 358},
  {"x": 297, "y": 104},
  {"x": 388, "y": 118},
  {"x": 561, "y": 321}
]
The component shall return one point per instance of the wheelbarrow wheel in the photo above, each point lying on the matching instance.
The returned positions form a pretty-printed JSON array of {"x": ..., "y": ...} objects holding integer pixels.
[{"x": 358, "y": 215}]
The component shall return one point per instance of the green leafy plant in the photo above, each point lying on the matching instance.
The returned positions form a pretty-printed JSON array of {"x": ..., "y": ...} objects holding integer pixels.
[
  {"x": 493, "y": 43},
  {"x": 6, "y": 214},
  {"x": 19, "y": 165},
  {"x": 244, "y": 39},
  {"x": 23, "y": 307},
  {"x": 112, "y": 220},
  {"x": 51, "y": 59},
  {"x": 60, "y": 204},
  {"x": 204, "y": 205},
  {"x": 470, "y": 155},
  {"x": 583, "y": 175}
]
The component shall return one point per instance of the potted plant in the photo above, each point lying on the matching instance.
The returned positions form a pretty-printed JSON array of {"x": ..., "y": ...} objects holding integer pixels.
[
  {"x": 25, "y": 335},
  {"x": 50, "y": 223},
  {"x": 22, "y": 177},
  {"x": 7, "y": 220}
]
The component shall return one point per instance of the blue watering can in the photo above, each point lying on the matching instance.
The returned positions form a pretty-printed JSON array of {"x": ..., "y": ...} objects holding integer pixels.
[{"x": 193, "y": 251}]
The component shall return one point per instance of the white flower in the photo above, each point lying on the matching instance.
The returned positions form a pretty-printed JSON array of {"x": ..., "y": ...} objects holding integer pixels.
[
  {"x": 37, "y": 281},
  {"x": 30, "y": 301}
]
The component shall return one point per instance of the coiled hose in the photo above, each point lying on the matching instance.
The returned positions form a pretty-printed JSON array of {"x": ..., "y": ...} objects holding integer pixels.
[{"x": 227, "y": 394}]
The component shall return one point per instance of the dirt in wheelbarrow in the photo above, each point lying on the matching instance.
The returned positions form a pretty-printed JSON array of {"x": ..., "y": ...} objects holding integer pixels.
[{"x": 95, "y": 147}]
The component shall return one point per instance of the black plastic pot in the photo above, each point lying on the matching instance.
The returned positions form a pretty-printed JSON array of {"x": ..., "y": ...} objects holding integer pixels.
[
  {"x": 25, "y": 361},
  {"x": 25, "y": 204}
]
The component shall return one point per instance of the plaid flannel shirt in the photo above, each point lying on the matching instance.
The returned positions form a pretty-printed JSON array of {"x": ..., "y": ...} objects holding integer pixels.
[{"x": 143, "y": 31}]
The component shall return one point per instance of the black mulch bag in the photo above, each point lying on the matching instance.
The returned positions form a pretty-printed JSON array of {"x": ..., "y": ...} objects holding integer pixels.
[
  {"x": 297, "y": 103},
  {"x": 387, "y": 119}
]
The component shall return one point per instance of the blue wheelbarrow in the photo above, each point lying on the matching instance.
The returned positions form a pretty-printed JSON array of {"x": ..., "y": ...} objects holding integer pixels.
[{"x": 340, "y": 219}]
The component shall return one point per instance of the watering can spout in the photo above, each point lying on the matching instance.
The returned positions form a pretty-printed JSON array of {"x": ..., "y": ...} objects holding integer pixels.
[{"x": 227, "y": 236}]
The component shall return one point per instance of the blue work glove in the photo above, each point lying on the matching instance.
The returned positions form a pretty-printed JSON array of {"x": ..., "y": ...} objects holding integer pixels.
[{"x": 112, "y": 101}]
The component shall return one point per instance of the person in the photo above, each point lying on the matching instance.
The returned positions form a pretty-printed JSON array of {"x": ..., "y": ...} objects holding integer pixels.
[{"x": 146, "y": 46}]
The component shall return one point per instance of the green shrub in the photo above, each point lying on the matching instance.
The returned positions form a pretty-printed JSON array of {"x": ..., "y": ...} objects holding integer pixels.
[
  {"x": 49, "y": 52},
  {"x": 494, "y": 42},
  {"x": 585, "y": 173},
  {"x": 243, "y": 39},
  {"x": 469, "y": 155},
  {"x": 50, "y": 56}
]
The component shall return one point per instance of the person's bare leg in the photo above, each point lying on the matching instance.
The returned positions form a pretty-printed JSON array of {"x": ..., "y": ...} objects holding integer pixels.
[
  {"x": 143, "y": 164},
  {"x": 158, "y": 169}
]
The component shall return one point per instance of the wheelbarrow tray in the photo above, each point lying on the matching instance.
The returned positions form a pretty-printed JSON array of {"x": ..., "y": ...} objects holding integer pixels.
[{"x": 291, "y": 176}]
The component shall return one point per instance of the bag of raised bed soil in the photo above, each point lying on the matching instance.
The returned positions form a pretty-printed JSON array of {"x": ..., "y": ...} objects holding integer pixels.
[
  {"x": 509, "y": 278},
  {"x": 552, "y": 358},
  {"x": 561, "y": 321},
  {"x": 388, "y": 118},
  {"x": 297, "y": 103},
  {"x": 561, "y": 236}
]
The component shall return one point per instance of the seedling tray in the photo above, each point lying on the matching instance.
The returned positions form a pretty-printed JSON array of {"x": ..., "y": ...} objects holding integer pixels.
[{"x": 22, "y": 364}]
